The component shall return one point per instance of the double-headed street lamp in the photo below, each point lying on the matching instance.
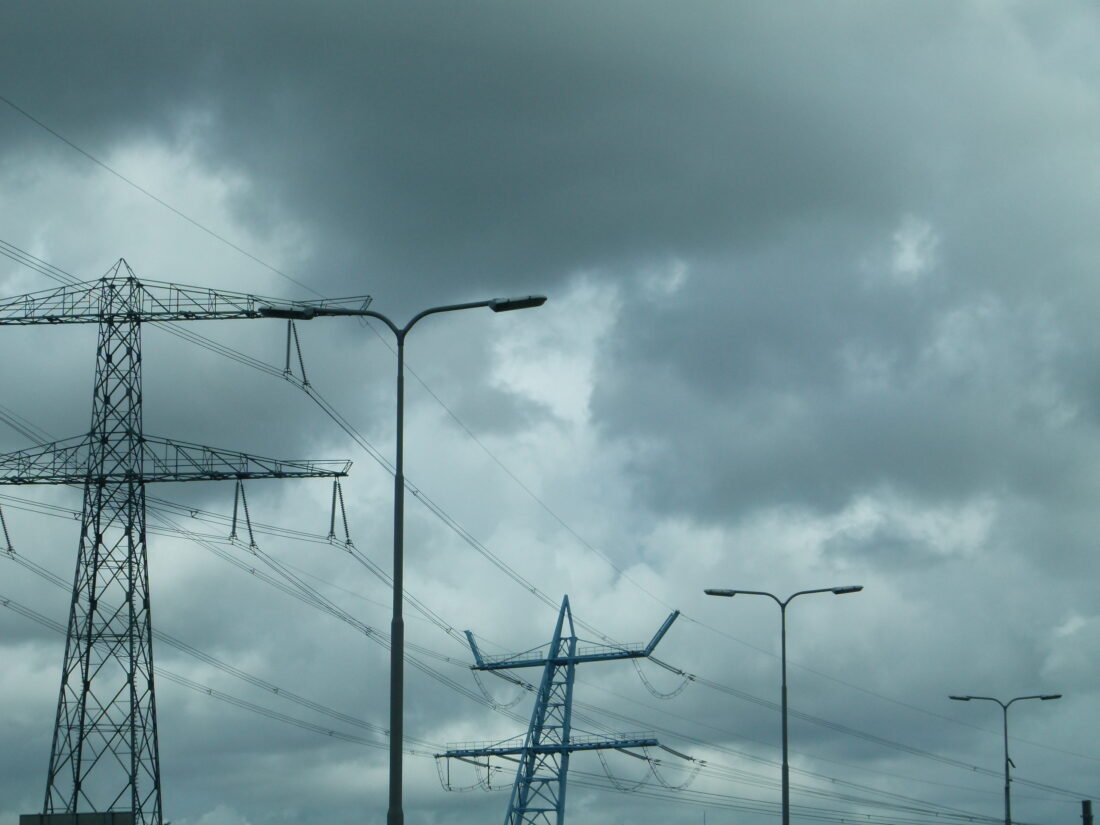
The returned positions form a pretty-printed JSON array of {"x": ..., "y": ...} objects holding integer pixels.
[
  {"x": 396, "y": 814},
  {"x": 838, "y": 591},
  {"x": 1046, "y": 697}
]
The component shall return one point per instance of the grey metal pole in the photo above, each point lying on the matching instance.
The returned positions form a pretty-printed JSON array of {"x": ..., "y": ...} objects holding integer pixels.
[
  {"x": 1004, "y": 715},
  {"x": 395, "y": 814},
  {"x": 785, "y": 780},
  {"x": 1008, "y": 794},
  {"x": 786, "y": 763}
]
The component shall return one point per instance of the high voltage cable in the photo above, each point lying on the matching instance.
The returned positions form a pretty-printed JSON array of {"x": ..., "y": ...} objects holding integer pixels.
[
  {"x": 310, "y": 596},
  {"x": 730, "y": 802},
  {"x": 342, "y": 735},
  {"x": 526, "y": 584},
  {"x": 762, "y": 760},
  {"x": 34, "y": 263},
  {"x": 581, "y": 777},
  {"x": 351, "y": 431},
  {"x": 54, "y": 272},
  {"x": 150, "y": 195},
  {"x": 302, "y": 594},
  {"x": 162, "y": 672},
  {"x": 199, "y": 340},
  {"x": 233, "y": 671},
  {"x": 321, "y": 729},
  {"x": 727, "y": 773}
]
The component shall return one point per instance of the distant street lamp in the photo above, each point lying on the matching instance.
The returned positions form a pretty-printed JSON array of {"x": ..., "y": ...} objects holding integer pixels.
[
  {"x": 396, "y": 814},
  {"x": 1004, "y": 712},
  {"x": 838, "y": 591}
]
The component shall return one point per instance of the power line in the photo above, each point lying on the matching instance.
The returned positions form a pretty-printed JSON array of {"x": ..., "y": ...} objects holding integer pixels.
[
  {"x": 153, "y": 197},
  {"x": 45, "y": 268},
  {"x": 297, "y": 592},
  {"x": 343, "y": 423}
]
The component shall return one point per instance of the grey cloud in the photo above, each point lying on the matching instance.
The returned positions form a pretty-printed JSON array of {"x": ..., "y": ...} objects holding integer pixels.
[{"x": 428, "y": 153}]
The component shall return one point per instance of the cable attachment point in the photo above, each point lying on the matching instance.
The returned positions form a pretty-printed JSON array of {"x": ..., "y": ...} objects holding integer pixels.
[
  {"x": 292, "y": 335},
  {"x": 338, "y": 498},
  {"x": 239, "y": 501},
  {"x": 7, "y": 538}
]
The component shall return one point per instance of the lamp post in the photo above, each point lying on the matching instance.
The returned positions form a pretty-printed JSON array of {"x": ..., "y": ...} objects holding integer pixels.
[
  {"x": 395, "y": 814},
  {"x": 837, "y": 591},
  {"x": 1046, "y": 697}
]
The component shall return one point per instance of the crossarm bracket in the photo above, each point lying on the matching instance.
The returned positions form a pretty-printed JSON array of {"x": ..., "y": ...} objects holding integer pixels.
[{"x": 162, "y": 459}]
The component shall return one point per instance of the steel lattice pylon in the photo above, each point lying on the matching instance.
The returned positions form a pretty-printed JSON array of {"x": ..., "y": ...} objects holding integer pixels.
[
  {"x": 538, "y": 794},
  {"x": 105, "y": 754},
  {"x": 107, "y": 709}
]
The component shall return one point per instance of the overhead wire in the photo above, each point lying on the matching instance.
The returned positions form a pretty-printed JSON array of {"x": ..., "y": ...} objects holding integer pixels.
[
  {"x": 357, "y": 436},
  {"x": 28, "y": 432},
  {"x": 270, "y": 713},
  {"x": 261, "y": 683},
  {"x": 310, "y": 597},
  {"x": 343, "y": 735},
  {"x": 353, "y": 432},
  {"x": 36, "y": 264},
  {"x": 129, "y": 182},
  {"x": 268, "y": 686}
]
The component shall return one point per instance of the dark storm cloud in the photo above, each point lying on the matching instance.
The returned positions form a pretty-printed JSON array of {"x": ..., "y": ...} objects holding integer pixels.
[
  {"x": 809, "y": 383},
  {"x": 844, "y": 252},
  {"x": 509, "y": 146},
  {"x": 499, "y": 143}
]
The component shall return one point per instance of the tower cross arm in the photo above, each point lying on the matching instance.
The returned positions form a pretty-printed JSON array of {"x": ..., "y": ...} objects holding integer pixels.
[
  {"x": 90, "y": 302},
  {"x": 171, "y": 460},
  {"x": 575, "y": 743},
  {"x": 593, "y": 653},
  {"x": 60, "y": 462},
  {"x": 71, "y": 462}
]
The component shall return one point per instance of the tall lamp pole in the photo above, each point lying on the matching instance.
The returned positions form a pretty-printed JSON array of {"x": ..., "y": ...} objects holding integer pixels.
[
  {"x": 837, "y": 591},
  {"x": 1046, "y": 697},
  {"x": 395, "y": 814}
]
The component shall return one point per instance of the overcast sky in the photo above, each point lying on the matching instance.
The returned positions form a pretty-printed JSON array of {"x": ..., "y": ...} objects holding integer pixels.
[{"x": 823, "y": 286}]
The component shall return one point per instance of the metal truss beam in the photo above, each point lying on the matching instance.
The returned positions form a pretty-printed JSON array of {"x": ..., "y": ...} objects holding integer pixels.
[
  {"x": 89, "y": 303},
  {"x": 161, "y": 459}
]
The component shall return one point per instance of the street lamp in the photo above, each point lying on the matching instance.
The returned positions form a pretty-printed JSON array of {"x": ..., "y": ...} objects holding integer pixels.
[
  {"x": 837, "y": 591},
  {"x": 1046, "y": 697},
  {"x": 396, "y": 814}
]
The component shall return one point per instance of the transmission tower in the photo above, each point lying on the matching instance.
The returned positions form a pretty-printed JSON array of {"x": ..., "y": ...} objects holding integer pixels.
[
  {"x": 104, "y": 756},
  {"x": 538, "y": 794}
]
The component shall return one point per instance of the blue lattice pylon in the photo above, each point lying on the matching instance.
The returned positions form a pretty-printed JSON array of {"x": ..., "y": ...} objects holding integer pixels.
[{"x": 538, "y": 794}]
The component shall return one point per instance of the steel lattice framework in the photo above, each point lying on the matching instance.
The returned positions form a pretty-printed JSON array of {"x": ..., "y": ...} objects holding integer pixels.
[
  {"x": 105, "y": 753},
  {"x": 538, "y": 794}
]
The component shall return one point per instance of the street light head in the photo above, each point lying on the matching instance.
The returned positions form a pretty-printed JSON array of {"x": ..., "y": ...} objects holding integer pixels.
[
  {"x": 1051, "y": 696},
  {"x": 710, "y": 591},
  {"x": 508, "y": 304},
  {"x": 287, "y": 312},
  {"x": 853, "y": 588},
  {"x": 960, "y": 698}
]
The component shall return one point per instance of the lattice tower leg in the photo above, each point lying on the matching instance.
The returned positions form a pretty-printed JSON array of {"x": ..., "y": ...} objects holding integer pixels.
[
  {"x": 105, "y": 753},
  {"x": 538, "y": 795}
]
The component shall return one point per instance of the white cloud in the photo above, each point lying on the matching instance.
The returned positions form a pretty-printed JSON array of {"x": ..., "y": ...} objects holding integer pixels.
[
  {"x": 221, "y": 815},
  {"x": 554, "y": 363},
  {"x": 915, "y": 244}
]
